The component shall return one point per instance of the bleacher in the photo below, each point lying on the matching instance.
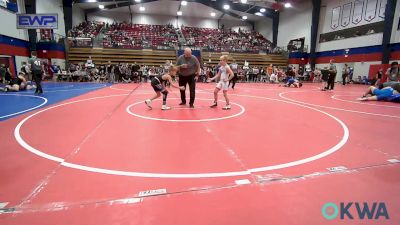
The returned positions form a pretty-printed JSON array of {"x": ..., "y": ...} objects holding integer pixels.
[
  {"x": 129, "y": 43},
  {"x": 158, "y": 57},
  {"x": 102, "y": 56},
  {"x": 259, "y": 60}
]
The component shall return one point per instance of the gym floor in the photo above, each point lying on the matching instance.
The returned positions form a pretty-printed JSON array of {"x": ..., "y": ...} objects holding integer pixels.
[{"x": 95, "y": 154}]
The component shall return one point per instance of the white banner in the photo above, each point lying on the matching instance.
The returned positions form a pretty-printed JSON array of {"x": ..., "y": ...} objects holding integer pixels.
[
  {"x": 335, "y": 17},
  {"x": 382, "y": 8},
  {"x": 370, "y": 10},
  {"x": 346, "y": 13},
  {"x": 358, "y": 11}
]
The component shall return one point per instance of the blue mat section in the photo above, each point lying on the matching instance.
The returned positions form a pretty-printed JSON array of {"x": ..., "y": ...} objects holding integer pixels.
[{"x": 16, "y": 103}]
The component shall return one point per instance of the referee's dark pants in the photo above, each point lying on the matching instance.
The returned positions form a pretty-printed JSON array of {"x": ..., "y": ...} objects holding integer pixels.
[
  {"x": 183, "y": 81},
  {"x": 37, "y": 77},
  {"x": 331, "y": 81},
  {"x": 233, "y": 80},
  {"x": 344, "y": 77}
]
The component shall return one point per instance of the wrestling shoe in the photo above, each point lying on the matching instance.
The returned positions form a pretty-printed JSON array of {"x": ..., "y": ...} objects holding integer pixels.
[
  {"x": 148, "y": 103},
  {"x": 164, "y": 107},
  {"x": 227, "y": 107},
  {"x": 214, "y": 105}
]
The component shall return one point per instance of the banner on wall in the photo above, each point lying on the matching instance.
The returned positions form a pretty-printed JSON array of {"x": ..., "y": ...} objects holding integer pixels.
[
  {"x": 46, "y": 34},
  {"x": 37, "y": 21},
  {"x": 382, "y": 8},
  {"x": 335, "y": 17},
  {"x": 358, "y": 11},
  {"x": 346, "y": 12},
  {"x": 370, "y": 10}
]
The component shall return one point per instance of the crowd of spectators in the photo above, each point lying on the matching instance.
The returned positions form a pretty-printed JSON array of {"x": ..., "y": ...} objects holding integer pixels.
[
  {"x": 135, "y": 72},
  {"x": 138, "y": 36},
  {"x": 114, "y": 73},
  {"x": 86, "y": 29},
  {"x": 228, "y": 40}
]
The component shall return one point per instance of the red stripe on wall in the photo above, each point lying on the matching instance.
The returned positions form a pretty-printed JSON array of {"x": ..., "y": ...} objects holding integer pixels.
[
  {"x": 395, "y": 55},
  {"x": 297, "y": 61},
  {"x": 351, "y": 58},
  {"x": 13, "y": 50},
  {"x": 49, "y": 54}
]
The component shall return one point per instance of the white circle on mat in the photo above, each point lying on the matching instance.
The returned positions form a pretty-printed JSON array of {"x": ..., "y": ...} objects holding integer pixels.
[
  {"x": 26, "y": 110},
  {"x": 242, "y": 110},
  {"x": 62, "y": 162}
]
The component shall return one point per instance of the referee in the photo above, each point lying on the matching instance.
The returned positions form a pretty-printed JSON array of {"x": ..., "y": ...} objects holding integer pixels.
[
  {"x": 37, "y": 72},
  {"x": 189, "y": 70}
]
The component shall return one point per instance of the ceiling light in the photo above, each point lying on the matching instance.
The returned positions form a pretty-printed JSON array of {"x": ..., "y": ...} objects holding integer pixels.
[
  {"x": 142, "y": 8},
  {"x": 226, "y": 6},
  {"x": 137, "y": 0},
  {"x": 288, "y": 5},
  {"x": 244, "y": 17},
  {"x": 263, "y": 10},
  {"x": 183, "y": 3},
  {"x": 258, "y": 14},
  {"x": 92, "y": 1},
  {"x": 243, "y": 1},
  {"x": 179, "y": 13},
  {"x": 212, "y": 14},
  {"x": 101, "y": 6}
]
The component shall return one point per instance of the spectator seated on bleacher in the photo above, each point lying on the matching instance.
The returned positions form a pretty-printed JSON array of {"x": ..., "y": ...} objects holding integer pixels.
[{"x": 86, "y": 29}]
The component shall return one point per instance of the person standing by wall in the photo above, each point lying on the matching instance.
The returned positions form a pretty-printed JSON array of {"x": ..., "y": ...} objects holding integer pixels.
[
  {"x": 345, "y": 73},
  {"x": 189, "y": 70},
  {"x": 118, "y": 72},
  {"x": 377, "y": 80},
  {"x": 110, "y": 72},
  {"x": 28, "y": 73},
  {"x": 393, "y": 73},
  {"x": 3, "y": 72}
]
